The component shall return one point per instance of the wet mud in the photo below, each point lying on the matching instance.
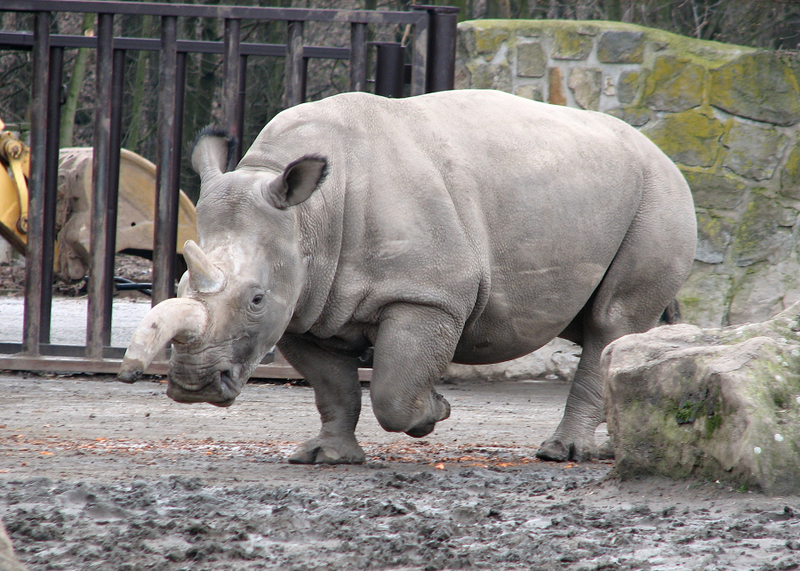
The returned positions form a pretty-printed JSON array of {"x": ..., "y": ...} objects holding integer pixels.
[{"x": 99, "y": 476}]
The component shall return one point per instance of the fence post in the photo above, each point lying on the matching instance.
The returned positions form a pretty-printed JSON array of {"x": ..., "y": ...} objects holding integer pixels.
[
  {"x": 390, "y": 69},
  {"x": 231, "y": 72},
  {"x": 51, "y": 189},
  {"x": 358, "y": 56},
  {"x": 96, "y": 335},
  {"x": 442, "y": 37},
  {"x": 293, "y": 94},
  {"x": 34, "y": 262},
  {"x": 166, "y": 228}
]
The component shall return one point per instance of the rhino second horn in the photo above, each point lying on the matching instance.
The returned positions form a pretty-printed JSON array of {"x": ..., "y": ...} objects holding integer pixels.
[
  {"x": 204, "y": 276},
  {"x": 180, "y": 319}
]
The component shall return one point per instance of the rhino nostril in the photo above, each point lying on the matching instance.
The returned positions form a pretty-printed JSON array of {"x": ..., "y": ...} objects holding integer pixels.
[{"x": 225, "y": 378}]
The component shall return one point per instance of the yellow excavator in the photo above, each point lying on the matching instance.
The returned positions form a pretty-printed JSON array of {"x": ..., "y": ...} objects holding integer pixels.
[{"x": 135, "y": 212}]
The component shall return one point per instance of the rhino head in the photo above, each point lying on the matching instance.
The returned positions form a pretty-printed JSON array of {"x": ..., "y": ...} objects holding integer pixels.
[{"x": 243, "y": 280}]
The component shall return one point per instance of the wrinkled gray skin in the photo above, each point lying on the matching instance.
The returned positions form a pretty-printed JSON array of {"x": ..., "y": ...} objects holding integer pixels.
[{"x": 472, "y": 226}]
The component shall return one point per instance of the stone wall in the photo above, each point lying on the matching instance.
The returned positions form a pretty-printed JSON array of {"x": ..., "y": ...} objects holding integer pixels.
[{"x": 729, "y": 116}]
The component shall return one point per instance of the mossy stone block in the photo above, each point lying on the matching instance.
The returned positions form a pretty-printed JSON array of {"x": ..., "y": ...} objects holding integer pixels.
[
  {"x": 675, "y": 84},
  {"x": 762, "y": 291},
  {"x": 530, "y": 92},
  {"x": 716, "y": 190},
  {"x": 714, "y": 233},
  {"x": 759, "y": 237},
  {"x": 628, "y": 85},
  {"x": 621, "y": 47},
  {"x": 531, "y": 59},
  {"x": 754, "y": 152},
  {"x": 635, "y": 116},
  {"x": 691, "y": 138},
  {"x": 790, "y": 175},
  {"x": 569, "y": 44},
  {"x": 758, "y": 86},
  {"x": 487, "y": 41},
  {"x": 704, "y": 298},
  {"x": 585, "y": 85},
  {"x": 490, "y": 76}
]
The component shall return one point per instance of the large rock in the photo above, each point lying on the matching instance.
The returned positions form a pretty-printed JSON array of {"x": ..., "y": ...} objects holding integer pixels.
[
  {"x": 718, "y": 404},
  {"x": 556, "y": 360}
]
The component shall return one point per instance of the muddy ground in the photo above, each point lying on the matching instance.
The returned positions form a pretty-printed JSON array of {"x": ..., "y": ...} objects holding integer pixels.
[{"x": 95, "y": 475}]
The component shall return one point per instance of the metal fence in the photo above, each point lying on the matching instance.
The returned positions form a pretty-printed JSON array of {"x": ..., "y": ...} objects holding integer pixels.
[{"x": 431, "y": 69}]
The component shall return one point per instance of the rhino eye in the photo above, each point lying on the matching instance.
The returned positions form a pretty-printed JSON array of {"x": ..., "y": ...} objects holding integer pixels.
[{"x": 257, "y": 299}]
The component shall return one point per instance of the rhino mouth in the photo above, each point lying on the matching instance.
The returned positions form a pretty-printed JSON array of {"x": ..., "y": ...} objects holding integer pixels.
[{"x": 219, "y": 389}]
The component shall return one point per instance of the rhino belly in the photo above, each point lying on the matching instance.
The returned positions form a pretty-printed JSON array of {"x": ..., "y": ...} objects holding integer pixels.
[{"x": 527, "y": 309}]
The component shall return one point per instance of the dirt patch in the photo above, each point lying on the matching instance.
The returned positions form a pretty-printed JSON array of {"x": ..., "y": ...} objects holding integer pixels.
[
  {"x": 98, "y": 475},
  {"x": 132, "y": 268}
]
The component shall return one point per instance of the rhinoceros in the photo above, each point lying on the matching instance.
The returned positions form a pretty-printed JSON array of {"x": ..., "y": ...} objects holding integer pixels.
[{"x": 467, "y": 226}]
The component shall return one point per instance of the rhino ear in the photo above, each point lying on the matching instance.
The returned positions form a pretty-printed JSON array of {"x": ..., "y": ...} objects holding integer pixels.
[
  {"x": 212, "y": 153},
  {"x": 296, "y": 183}
]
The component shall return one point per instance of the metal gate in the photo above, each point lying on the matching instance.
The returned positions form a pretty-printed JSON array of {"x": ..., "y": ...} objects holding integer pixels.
[{"x": 431, "y": 69}]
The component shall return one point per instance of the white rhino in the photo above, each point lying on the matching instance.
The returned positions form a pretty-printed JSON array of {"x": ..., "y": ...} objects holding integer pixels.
[{"x": 472, "y": 226}]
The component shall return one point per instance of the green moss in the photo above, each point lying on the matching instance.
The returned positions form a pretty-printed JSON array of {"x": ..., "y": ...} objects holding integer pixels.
[
  {"x": 570, "y": 44},
  {"x": 488, "y": 41},
  {"x": 691, "y": 138},
  {"x": 675, "y": 84},
  {"x": 790, "y": 175},
  {"x": 755, "y": 238},
  {"x": 770, "y": 92}
]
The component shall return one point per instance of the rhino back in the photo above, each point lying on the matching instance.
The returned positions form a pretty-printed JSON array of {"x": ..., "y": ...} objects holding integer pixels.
[{"x": 505, "y": 213}]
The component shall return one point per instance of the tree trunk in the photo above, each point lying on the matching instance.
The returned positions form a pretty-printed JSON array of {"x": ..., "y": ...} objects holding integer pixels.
[{"x": 74, "y": 90}]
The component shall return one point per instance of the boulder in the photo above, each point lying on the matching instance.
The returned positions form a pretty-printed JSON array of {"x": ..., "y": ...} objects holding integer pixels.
[
  {"x": 556, "y": 360},
  {"x": 717, "y": 404}
]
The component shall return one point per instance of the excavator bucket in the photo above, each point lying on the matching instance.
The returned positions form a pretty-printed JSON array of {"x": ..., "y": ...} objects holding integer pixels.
[
  {"x": 135, "y": 211},
  {"x": 136, "y": 205}
]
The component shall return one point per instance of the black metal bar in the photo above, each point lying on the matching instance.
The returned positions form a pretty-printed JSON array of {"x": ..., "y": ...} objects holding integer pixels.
[
  {"x": 440, "y": 68},
  {"x": 419, "y": 56},
  {"x": 24, "y": 40},
  {"x": 231, "y": 82},
  {"x": 96, "y": 333},
  {"x": 175, "y": 181},
  {"x": 31, "y": 333},
  {"x": 390, "y": 69},
  {"x": 112, "y": 202},
  {"x": 51, "y": 189},
  {"x": 213, "y": 11},
  {"x": 163, "y": 251},
  {"x": 294, "y": 65},
  {"x": 241, "y": 102},
  {"x": 358, "y": 57}
]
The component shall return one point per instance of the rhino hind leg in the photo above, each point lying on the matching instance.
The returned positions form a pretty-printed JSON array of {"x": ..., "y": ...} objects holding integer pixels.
[
  {"x": 337, "y": 392},
  {"x": 649, "y": 268}
]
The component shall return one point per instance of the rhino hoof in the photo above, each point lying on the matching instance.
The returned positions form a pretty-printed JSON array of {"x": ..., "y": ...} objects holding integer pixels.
[
  {"x": 554, "y": 451},
  {"x": 557, "y": 450},
  {"x": 318, "y": 453}
]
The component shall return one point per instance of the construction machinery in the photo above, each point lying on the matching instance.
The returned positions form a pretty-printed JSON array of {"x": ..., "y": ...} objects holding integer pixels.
[{"x": 135, "y": 211}]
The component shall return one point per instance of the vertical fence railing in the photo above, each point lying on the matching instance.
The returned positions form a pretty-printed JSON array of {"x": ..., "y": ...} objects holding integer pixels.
[{"x": 431, "y": 43}]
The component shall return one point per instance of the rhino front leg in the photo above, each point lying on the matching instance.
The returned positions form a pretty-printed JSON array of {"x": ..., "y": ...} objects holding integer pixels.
[
  {"x": 413, "y": 346},
  {"x": 337, "y": 392}
]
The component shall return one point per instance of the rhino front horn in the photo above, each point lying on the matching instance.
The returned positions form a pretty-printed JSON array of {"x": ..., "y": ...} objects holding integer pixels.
[
  {"x": 204, "y": 276},
  {"x": 180, "y": 319}
]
